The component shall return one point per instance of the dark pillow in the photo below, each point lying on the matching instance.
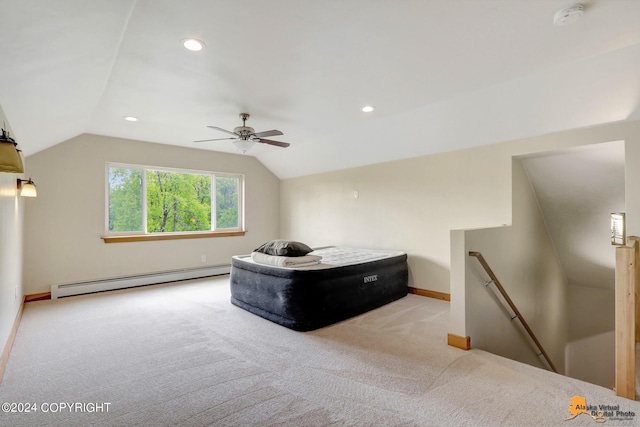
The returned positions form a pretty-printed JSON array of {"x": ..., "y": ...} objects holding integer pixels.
[{"x": 284, "y": 248}]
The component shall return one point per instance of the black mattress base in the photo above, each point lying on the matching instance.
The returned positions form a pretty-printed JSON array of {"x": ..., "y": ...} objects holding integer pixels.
[
  {"x": 304, "y": 300},
  {"x": 289, "y": 323}
]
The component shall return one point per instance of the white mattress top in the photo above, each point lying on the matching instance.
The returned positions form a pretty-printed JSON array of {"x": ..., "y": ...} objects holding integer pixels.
[{"x": 337, "y": 256}]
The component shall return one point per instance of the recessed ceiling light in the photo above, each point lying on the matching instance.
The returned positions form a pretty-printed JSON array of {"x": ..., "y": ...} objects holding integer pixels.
[
  {"x": 193, "y": 44},
  {"x": 568, "y": 15},
  {"x": 131, "y": 118},
  {"x": 368, "y": 108}
]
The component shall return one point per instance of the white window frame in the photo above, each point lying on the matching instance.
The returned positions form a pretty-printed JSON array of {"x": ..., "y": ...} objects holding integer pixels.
[{"x": 144, "y": 169}]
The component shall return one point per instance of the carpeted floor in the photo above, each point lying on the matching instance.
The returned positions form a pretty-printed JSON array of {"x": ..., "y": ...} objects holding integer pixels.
[{"x": 181, "y": 354}]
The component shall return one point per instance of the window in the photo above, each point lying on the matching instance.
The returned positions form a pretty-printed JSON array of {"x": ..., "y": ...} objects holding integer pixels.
[{"x": 148, "y": 200}]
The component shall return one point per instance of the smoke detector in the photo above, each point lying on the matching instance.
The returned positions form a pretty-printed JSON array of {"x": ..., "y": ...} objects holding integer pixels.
[{"x": 568, "y": 15}]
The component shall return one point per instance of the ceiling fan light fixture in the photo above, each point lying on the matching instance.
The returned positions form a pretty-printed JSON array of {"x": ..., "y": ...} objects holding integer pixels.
[
  {"x": 193, "y": 45},
  {"x": 243, "y": 145},
  {"x": 368, "y": 108}
]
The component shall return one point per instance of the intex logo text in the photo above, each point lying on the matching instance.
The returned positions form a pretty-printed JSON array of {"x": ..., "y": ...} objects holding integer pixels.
[{"x": 369, "y": 279}]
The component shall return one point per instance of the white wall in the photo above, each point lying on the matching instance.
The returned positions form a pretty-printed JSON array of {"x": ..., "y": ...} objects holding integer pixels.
[
  {"x": 590, "y": 353},
  {"x": 590, "y": 312},
  {"x": 577, "y": 190},
  {"x": 523, "y": 258},
  {"x": 632, "y": 182},
  {"x": 11, "y": 218},
  {"x": 595, "y": 367},
  {"x": 412, "y": 204},
  {"x": 65, "y": 222},
  {"x": 623, "y": 131},
  {"x": 408, "y": 205}
]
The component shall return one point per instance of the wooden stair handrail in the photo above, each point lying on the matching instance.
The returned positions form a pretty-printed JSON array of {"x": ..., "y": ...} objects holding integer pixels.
[{"x": 496, "y": 282}]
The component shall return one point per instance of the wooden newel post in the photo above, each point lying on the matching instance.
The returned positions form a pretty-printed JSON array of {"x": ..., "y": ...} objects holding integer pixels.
[{"x": 627, "y": 278}]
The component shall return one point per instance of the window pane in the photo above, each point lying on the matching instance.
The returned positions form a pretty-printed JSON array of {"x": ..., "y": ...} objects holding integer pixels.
[
  {"x": 227, "y": 202},
  {"x": 125, "y": 200},
  {"x": 178, "y": 202}
]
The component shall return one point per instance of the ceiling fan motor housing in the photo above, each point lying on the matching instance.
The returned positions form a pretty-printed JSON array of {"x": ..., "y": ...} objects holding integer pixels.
[{"x": 243, "y": 131}]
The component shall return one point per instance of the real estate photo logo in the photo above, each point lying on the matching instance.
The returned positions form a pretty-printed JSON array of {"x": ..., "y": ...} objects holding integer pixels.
[{"x": 599, "y": 413}]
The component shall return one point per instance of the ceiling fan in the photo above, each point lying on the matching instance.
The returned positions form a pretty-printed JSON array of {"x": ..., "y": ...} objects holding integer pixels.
[{"x": 245, "y": 137}]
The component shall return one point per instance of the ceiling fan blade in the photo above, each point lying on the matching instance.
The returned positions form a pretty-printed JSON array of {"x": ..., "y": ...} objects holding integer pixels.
[
  {"x": 276, "y": 143},
  {"x": 216, "y": 139},
  {"x": 268, "y": 133},
  {"x": 222, "y": 130}
]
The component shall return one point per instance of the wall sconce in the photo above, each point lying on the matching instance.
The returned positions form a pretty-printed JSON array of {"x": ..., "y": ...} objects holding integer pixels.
[
  {"x": 28, "y": 189},
  {"x": 618, "y": 230},
  {"x": 10, "y": 158}
]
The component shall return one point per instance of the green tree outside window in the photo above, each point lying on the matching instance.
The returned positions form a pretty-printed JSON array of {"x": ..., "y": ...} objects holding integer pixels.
[{"x": 175, "y": 201}]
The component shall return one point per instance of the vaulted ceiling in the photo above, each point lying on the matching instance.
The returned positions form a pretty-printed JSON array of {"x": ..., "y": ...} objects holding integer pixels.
[{"x": 442, "y": 74}]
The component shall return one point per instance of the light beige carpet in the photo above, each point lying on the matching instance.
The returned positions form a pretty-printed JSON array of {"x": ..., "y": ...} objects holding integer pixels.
[{"x": 181, "y": 354}]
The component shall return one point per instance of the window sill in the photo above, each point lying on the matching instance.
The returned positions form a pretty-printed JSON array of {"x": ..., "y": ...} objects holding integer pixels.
[{"x": 169, "y": 236}]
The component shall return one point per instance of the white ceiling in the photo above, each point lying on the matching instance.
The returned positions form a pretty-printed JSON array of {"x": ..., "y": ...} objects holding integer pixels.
[{"x": 443, "y": 74}]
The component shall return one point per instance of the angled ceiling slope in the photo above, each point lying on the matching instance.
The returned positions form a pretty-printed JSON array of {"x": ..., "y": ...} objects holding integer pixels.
[
  {"x": 441, "y": 77},
  {"x": 577, "y": 190}
]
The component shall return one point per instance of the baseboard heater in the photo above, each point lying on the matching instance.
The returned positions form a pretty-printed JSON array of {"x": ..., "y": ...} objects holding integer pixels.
[{"x": 80, "y": 288}]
